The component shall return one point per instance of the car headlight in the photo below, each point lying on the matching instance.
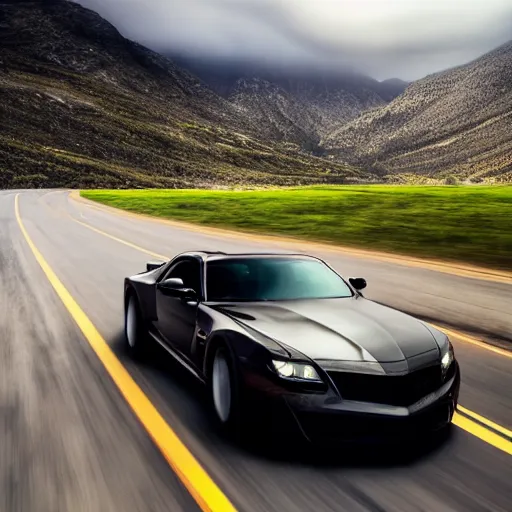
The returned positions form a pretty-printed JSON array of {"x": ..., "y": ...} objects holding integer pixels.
[
  {"x": 299, "y": 371},
  {"x": 447, "y": 358}
]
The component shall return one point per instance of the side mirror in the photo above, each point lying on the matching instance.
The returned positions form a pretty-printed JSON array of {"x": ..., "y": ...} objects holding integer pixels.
[
  {"x": 174, "y": 287},
  {"x": 358, "y": 283},
  {"x": 153, "y": 265}
]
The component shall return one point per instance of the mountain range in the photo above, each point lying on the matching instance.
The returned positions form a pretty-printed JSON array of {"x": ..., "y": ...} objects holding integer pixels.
[
  {"x": 84, "y": 107},
  {"x": 458, "y": 122}
]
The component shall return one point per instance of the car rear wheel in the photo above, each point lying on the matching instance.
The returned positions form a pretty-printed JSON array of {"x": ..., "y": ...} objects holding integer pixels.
[{"x": 135, "y": 333}]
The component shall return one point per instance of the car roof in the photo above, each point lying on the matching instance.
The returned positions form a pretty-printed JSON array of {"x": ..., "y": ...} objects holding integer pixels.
[{"x": 219, "y": 255}]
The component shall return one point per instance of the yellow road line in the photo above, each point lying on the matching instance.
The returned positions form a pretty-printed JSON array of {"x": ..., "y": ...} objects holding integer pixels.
[
  {"x": 482, "y": 433},
  {"x": 202, "y": 488},
  {"x": 485, "y": 421},
  {"x": 121, "y": 241}
]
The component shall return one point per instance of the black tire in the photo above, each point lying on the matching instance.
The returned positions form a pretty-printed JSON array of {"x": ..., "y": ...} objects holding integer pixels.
[
  {"x": 135, "y": 332},
  {"x": 230, "y": 422}
]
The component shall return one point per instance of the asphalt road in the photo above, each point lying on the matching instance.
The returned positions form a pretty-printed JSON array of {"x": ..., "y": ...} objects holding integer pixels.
[{"x": 70, "y": 442}]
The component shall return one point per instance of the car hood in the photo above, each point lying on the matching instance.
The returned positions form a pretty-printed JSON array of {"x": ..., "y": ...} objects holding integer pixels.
[{"x": 348, "y": 329}]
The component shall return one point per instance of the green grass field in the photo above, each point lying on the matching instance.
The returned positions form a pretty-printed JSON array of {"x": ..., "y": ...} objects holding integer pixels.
[{"x": 471, "y": 224}]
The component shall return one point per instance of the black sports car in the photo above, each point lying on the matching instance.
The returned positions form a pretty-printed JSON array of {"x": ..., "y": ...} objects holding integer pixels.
[{"x": 285, "y": 335}]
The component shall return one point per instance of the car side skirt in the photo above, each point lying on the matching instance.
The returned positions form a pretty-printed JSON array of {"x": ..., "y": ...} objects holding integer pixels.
[{"x": 178, "y": 357}]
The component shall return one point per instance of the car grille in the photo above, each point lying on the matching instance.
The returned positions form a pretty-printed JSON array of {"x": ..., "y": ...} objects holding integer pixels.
[{"x": 402, "y": 390}]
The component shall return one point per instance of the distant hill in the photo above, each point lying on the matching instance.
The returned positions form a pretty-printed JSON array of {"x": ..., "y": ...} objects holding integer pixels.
[
  {"x": 458, "y": 122},
  {"x": 391, "y": 88},
  {"x": 296, "y": 105},
  {"x": 84, "y": 107}
]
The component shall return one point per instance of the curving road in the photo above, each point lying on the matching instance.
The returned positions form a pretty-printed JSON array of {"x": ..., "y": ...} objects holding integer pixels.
[{"x": 69, "y": 441}]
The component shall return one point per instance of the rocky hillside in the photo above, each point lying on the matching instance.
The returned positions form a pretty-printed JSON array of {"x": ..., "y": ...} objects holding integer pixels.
[
  {"x": 299, "y": 106},
  {"x": 458, "y": 122},
  {"x": 83, "y": 106},
  {"x": 278, "y": 114}
]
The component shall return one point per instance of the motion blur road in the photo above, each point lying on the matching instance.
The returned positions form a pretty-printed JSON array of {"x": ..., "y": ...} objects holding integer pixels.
[{"x": 70, "y": 442}]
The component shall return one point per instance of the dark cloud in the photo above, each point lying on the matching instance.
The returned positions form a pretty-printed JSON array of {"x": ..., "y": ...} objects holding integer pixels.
[{"x": 381, "y": 37}]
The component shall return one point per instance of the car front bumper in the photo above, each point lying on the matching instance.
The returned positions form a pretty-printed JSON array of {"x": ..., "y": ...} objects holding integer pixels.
[{"x": 324, "y": 417}]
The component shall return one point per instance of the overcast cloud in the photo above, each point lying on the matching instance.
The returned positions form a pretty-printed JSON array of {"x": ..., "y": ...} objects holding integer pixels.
[{"x": 384, "y": 38}]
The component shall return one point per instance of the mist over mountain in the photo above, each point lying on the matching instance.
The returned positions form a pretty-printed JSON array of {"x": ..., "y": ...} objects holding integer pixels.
[
  {"x": 380, "y": 38},
  {"x": 222, "y": 75}
]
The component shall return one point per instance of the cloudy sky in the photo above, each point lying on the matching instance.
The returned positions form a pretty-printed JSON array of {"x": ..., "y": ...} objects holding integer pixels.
[{"x": 384, "y": 38}]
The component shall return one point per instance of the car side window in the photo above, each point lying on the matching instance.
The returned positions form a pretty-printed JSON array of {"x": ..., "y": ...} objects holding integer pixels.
[{"x": 189, "y": 271}]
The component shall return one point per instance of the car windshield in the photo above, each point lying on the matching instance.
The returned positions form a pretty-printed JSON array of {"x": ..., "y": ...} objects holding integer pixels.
[{"x": 274, "y": 279}]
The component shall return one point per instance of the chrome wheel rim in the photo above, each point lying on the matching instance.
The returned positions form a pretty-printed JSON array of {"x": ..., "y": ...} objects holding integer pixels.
[
  {"x": 131, "y": 323},
  {"x": 221, "y": 387}
]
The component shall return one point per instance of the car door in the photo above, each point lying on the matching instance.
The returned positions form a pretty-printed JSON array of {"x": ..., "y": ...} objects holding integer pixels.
[{"x": 176, "y": 317}]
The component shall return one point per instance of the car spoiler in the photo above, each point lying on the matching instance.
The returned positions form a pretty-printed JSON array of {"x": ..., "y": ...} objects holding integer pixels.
[{"x": 153, "y": 265}]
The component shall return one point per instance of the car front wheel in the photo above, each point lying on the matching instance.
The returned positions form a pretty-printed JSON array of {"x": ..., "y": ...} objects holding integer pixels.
[{"x": 224, "y": 389}]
